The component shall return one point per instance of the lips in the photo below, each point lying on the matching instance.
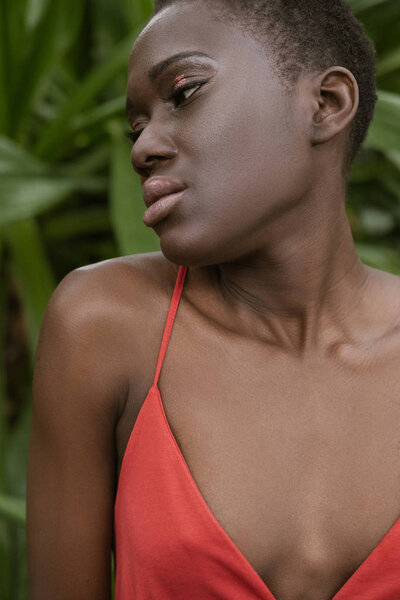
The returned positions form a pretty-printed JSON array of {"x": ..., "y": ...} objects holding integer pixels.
[{"x": 157, "y": 187}]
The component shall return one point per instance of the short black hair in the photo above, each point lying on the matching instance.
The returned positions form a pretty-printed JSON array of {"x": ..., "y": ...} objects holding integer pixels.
[{"x": 307, "y": 36}]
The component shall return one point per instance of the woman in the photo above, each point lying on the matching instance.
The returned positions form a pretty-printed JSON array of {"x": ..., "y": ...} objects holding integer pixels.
[{"x": 263, "y": 456}]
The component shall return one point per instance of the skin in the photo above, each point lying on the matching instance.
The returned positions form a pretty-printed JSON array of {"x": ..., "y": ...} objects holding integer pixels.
[{"x": 280, "y": 381}]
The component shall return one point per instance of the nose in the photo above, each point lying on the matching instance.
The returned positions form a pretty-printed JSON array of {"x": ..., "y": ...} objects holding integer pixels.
[{"x": 152, "y": 146}]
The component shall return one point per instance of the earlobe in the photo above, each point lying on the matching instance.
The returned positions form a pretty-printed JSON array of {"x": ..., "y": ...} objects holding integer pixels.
[{"x": 338, "y": 101}]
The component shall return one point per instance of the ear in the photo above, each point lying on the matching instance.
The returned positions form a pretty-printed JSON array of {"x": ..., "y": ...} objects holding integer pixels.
[{"x": 337, "y": 97}]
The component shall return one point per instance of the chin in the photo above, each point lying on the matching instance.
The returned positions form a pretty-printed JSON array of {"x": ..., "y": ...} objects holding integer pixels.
[{"x": 182, "y": 245}]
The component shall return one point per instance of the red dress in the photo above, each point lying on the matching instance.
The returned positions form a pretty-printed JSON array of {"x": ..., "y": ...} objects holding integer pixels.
[{"x": 168, "y": 543}]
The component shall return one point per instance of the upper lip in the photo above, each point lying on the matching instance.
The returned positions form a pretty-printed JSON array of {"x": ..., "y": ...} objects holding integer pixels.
[{"x": 157, "y": 187}]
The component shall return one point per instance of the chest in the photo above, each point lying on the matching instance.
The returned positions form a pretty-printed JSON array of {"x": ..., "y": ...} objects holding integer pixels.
[{"x": 299, "y": 463}]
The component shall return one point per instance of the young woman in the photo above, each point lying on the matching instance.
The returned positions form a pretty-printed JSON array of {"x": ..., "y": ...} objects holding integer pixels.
[{"x": 224, "y": 414}]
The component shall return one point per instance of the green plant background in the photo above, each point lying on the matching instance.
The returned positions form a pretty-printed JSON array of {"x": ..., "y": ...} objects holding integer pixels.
[{"x": 69, "y": 197}]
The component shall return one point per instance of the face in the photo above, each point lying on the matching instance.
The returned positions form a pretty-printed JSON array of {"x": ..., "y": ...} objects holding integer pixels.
[{"x": 236, "y": 138}]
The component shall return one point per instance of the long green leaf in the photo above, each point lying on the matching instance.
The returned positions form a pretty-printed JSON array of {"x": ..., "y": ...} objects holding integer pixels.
[
  {"x": 388, "y": 63},
  {"x": 138, "y": 12},
  {"x": 15, "y": 160},
  {"x": 3, "y": 393},
  {"x": 99, "y": 114},
  {"x": 85, "y": 95},
  {"x": 29, "y": 186},
  {"x": 88, "y": 122},
  {"x": 96, "y": 159},
  {"x": 384, "y": 131},
  {"x": 12, "y": 43},
  {"x": 39, "y": 56},
  {"x": 77, "y": 222},
  {"x": 379, "y": 257},
  {"x": 70, "y": 21},
  {"x": 34, "y": 13},
  {"x": 359, "y": 6},
  {"x": 5, "y": 67},
  {"x": 32, "y": 268},
  {"x": 22, "y": 197},
  {"x": 394, "y": 157},
  {"x": 13, "y": 509}
]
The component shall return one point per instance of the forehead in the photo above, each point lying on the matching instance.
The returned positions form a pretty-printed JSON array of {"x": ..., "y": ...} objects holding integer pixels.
[{"x": 192, "y": 27}]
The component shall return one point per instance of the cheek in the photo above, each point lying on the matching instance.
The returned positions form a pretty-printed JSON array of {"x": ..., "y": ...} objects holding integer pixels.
[{"x": 248, "y": 156}]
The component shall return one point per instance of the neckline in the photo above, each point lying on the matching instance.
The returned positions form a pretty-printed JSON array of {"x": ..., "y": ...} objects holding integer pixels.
[{"x": 252, "y": 571}]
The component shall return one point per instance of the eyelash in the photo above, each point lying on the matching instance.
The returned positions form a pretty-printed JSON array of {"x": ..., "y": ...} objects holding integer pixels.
[{"x": 132, "y": 136}]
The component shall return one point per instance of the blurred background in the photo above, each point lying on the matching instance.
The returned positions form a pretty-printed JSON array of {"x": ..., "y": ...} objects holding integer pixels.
[{"x": 69, "y": 196}]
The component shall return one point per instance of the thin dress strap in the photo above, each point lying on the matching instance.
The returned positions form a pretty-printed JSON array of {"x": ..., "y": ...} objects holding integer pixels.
[{"x": 173, "y": 307}]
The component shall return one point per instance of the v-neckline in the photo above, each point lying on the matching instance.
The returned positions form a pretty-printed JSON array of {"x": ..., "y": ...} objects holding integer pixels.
[{"x": 268, "y": 594}]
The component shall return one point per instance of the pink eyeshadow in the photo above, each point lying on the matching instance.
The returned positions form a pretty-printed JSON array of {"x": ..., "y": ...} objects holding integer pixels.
[{"x": 180, "y": 80}]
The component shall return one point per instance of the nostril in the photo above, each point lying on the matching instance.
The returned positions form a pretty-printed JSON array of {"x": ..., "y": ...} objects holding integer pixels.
[{"x": 142, "y": 171}]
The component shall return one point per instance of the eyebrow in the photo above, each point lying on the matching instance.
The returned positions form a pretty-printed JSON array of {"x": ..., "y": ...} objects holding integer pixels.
[
  {"x": 156, "y": 70},
  {"x": 160, "y": 67}
]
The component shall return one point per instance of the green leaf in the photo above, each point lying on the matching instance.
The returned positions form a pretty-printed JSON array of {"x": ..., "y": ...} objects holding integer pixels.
[
  {"x": 379, "y": 257},
  {"x": 5, "y": 67},
  {"x": 33, "y": 272},
  {"x": 86, "y": 122},
  {"x": 35, "y": 10},
  {"x": 39, "y": 56},
  {"x": 22, "y": 197},
  {"x": 29, "y": 186},
  {"x": 70, "y": 20},
  {"x": 12, "y": 509},
  {"x": 98, "y": 115},
  {"x": 370, "y": 165},
  {"x": 139, "y": 11},
  {"x": 388, "y": 63},
  {"x": 126, "y": 201},
  {"x": 376, "y": 221},
  {"x": 384, "y": 131},
  {"x": 84, "y": 96},
  {"x": 95, "y": 159},
  {"x": 14, "y": 160},
  {"x": 358, "y": 6},
  {"x": 3, "y": 392},
  {"x": 394, "y": 157},
  {"x": 78, "y": 222},
  {"x": 12, "y": 48}
]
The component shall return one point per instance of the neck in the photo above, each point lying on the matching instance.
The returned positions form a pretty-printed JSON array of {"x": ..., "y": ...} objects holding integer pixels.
[{"x": 301, "y": 281}]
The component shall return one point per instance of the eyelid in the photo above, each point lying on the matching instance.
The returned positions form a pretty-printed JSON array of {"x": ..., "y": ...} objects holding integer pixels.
[{"x": 176, "y": 90}]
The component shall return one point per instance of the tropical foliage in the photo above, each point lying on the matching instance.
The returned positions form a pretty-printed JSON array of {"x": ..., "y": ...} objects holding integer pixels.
[{"x": 68, "y": 196}]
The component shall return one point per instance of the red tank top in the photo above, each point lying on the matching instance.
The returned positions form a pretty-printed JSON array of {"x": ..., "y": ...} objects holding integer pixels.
[{"x": 168, "y": 543}]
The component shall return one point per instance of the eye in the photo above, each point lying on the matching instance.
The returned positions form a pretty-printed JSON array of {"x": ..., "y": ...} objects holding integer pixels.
[
  {"x": 178, "y": 96},
  {"x": 180, "y": 92}
]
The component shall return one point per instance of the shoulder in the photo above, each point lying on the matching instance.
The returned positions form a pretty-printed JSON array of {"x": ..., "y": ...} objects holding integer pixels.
[
  {"x": 111, "y": 307},
  {"x": 132, "y": 274},
  {"x": 115, "y": 287}
]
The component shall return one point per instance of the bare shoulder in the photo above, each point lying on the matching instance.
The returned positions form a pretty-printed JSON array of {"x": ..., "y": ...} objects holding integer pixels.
[
  {"x": 149, "y": 263},
  {"x": 126, "y": 278},
  {"x": 111, "y": 289},
  {"x": 113, "y": 304}
]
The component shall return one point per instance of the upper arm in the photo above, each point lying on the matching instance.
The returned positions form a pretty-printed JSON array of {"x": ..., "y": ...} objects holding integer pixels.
[{"x": 72, "y": 457}]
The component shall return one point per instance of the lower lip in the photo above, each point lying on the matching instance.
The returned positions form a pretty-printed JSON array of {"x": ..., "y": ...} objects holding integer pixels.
[{"x": 161, "y": 208}]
